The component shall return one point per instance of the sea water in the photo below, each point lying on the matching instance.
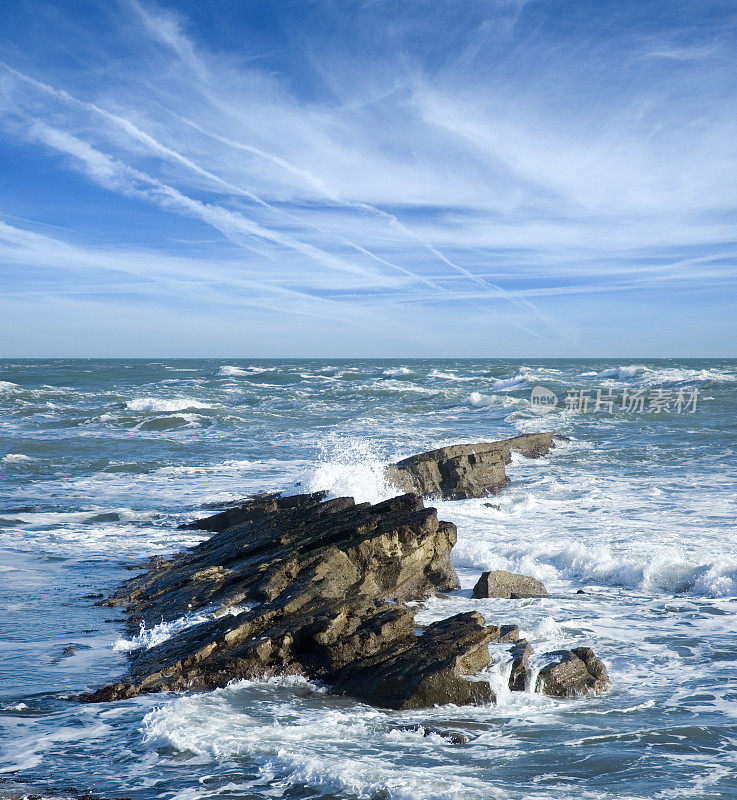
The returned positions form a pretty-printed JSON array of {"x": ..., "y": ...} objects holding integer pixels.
[{"x": 101, "y": 460}]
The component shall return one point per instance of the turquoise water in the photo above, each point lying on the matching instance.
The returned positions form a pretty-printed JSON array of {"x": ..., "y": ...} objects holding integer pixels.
[{"x": 100, "y": 460}]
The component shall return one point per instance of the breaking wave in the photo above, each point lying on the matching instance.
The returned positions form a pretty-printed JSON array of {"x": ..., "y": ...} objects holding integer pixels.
[{"x": 158, "y": 404}]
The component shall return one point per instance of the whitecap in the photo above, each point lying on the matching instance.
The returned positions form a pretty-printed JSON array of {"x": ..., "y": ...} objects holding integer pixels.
[
  {"x": 17, "y": 458},
  {"x": 232, "y": 372},
  {"x": 157, "y": 404},
  {"x": 399, "y": 372},
  {"x": 351, "y": 468}
]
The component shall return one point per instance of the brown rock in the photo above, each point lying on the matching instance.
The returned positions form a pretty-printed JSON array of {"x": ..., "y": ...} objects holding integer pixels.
[
  {"x": 463, "y": 471},
  {"x": 573, "y": 672},
  {"x": 499, "y": 583},
  {"x": 326, "y": 582}
]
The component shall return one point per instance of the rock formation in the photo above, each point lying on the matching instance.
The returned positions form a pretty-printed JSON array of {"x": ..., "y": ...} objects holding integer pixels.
[
  {"x": 316, "y": 587},
  {"x": 463, "y": 471},
  {"x": 320, "y": 587},
  {"x": 572, "y": 672},
  {"x": 499, "y": 583}
]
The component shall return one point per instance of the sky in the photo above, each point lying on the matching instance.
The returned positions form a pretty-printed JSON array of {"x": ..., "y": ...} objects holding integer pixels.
[{"x": 330, "y": 178}]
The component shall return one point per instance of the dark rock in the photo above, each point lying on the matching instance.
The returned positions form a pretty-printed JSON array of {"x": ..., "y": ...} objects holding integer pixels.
[
  {"x": 499, "y": 583},
  {"x": 573, "y": 672},
  {"x": 239, "y": 512},
  {"x": 507, "y": 633},
  {"x": 580, "y": 591},
  {"x": 521, "y": 654},
  {"x": 430, "y": 671},
  {"x": 462, "y": 471},
  {"x": 495, "y": 506},
  {"x": 319, "y": 588}
]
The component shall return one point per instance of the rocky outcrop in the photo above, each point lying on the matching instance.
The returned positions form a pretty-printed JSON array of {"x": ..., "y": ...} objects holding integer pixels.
[
  {"x": 312, "y": 587},
  {"x": 463, "y": 471},
  {"x": 323, "y": 588},
  {"x": 236, "y": 513},
  {"x": 566, "y": 673},
  {"x": 499, "y": 583},
  {"x": 571, "y": 673}
]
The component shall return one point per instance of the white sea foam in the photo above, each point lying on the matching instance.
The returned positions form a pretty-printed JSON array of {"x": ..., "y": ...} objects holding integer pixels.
[
  {"x": 398, "y": 372},
  {"x": 351, "y": 468},
  {"x": 8, "y": 386},
  {"x": 17, "y": 458},
  {"x": 478, "y": 400},
  {"x": 159, "y": 404},
  {"x": 623, "y": 373},
  {"x": 340, "y": 748},
  {"x": 233, "y": 372},
  {"x": 654, "y": 376},
  {"x": 519, "y": 380},
  {"x": 147, "y": 638}
]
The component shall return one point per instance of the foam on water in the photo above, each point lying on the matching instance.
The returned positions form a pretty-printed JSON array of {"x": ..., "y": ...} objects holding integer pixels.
[
  {"x": 17, "y": 458},
  {"x": 163, "y": 404},
  {"x": 637, "y": 512},
  {"x": 147, "y": 638}
]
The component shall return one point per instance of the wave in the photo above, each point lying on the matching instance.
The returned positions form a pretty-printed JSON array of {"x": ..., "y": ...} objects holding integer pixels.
[
  {"x": 477, "y": 400},
  {"x": 623, "y": 373},
  {"x": 339, "y": 748},
  {"x": 8, "y": 386},
  {"x": 399, "y": 372},
  {"x": 653, "y": 376},
  {"x": 449, "y": 376},
  {"x": 232, "y": 372},
  {"x": 351, "y": 468},
  {"x": 668, "y": 572},
  {"x": 517, "y": 381},
  {"x": 17, "y": 458},
  {"x": 158, "y": 404}
]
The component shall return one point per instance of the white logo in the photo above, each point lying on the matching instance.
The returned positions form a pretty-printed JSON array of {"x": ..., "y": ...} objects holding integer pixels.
[{"x": 542, "y": 400}]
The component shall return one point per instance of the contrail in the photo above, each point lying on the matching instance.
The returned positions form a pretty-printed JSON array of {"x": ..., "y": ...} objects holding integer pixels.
[{"x": 151, "y": 142}]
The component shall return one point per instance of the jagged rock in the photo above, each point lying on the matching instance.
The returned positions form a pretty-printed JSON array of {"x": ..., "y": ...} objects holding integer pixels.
[
  {"x": 430, "y": 671},
  {"x": 521, "y": 654},
  {"x": 463, "y": 471},
  {"x": 507, "y": 633},
  {"x": 454, "y": 737},
  {"x": 238, "y": 512},
  {"x": 500, "y": 583},
  {"x": 574, "y": 672},
  {"x": 316, "y": 588}
]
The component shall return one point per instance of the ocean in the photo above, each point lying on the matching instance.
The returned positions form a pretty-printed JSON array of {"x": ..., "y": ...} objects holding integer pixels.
[{"x": 100, "y": 460}]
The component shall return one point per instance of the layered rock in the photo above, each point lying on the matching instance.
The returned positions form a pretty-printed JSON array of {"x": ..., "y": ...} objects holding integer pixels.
[
  {"x": 317, "y": 588},
  {"x": 500, "y": 583},
  {"x": 463, "y": 471}
]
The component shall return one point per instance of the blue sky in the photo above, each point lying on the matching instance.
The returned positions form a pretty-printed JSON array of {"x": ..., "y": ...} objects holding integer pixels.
[{"x": 496, "y": 178}]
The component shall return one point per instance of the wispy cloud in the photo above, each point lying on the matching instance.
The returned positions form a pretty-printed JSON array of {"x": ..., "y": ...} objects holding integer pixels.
[{"x": 354, "y": 166}]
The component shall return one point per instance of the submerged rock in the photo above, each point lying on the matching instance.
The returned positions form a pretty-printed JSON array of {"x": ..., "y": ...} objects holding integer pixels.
[
  {"x": 500, "y": 583},
  {"x": 317, "y": 588},
  {"x": 463, "y": 471}
]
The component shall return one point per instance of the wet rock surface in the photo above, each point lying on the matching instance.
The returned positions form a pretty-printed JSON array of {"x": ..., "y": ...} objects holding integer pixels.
[
  {"x": 500, "y": 583},
  {"x": 315, "y": 587},
  {"x": 326, "y": 588},
  {"x": 463, "y": 471},
  {"x": 573, "y": 672}
]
